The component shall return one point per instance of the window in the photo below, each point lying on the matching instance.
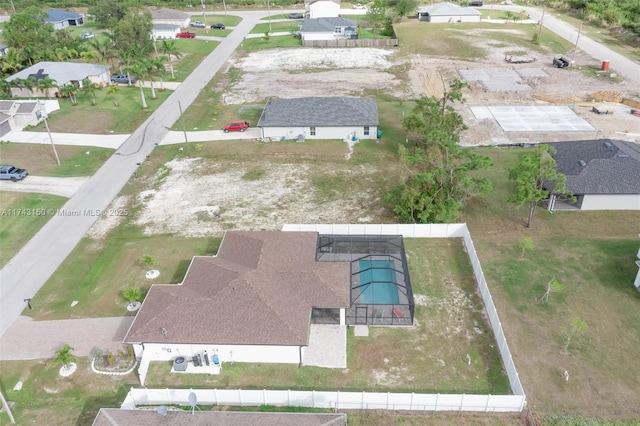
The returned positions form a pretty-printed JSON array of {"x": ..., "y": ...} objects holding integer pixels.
[
  {"x": 366, "y": 131},
  {"x": 312, "y": 130}
]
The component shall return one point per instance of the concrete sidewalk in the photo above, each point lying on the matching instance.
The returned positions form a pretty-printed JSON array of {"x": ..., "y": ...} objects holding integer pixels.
[
  {"x": 77, "y": 139},
  {"x": 63, "y": 186},
  {"x": 29, "y": 339}
]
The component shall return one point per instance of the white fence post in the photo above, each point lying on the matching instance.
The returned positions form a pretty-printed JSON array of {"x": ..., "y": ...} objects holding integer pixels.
[
  {"x": 240, "y": 396},
  {"x": 215, "y": 395}
]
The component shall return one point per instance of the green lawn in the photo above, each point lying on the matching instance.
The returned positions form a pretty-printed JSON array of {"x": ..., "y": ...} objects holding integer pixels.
[
  {"x": 252, "y": 44},
  {"x": 276, "y": 27},
  {"x": 454, "y": 41}
]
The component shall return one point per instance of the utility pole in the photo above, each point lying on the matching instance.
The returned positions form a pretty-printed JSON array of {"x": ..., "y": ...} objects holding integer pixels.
[
  {"x": 541, "y": 20},
  {"x": 269, "y": 12},
  {"x": 7, "y": 408},
  {"x": 46, "y": 124},
  {"x": 204, "y": 20},
  {"x": 13, "y": 6},
  {"x": 184, "y": 129},
  {"x": 576, "y": 46}
]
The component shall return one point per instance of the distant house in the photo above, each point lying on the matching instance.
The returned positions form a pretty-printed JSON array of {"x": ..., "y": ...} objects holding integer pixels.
[
  {"x": 4, "y": 49},
  {"x": 320, "y": 118},
  {"x": 63, "y": 19},
  {"x": 164, "y": 31},
  {"x": 18, "y": 114},
  {"x": 63, "y": 73},
  {"x": 322, "y": 8},
  {"x": 255, "y": 300},
  {"x": 602, "y": 174},
  {"x": 164, "y": 15},
  {"x": 328, "y": 29},
  {"x": 448, "y": 13}
]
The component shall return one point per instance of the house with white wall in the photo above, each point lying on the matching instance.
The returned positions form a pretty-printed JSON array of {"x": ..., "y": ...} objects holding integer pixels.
[
  {"x": 164, "y": 31},
  {"x": 343, "y": 118},
  {"x": 328, "y": 29},
  {"x": 446, "y": 12},
  {"x": 61, "y": 19},
  {"x": 602, "y": 174},
  {"x": 63, "y": 73},
  {"x": 322, "y": 8},
  {"x": 256, "y": 300}
]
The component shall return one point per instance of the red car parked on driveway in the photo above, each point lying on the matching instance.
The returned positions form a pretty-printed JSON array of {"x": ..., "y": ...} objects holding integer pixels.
[
  {"x": 236, "y": 126},
  {"x": 186, "y": 34}
]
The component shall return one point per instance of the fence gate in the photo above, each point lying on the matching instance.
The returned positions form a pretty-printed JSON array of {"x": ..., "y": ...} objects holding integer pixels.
[{"x": 361, "y": 314}]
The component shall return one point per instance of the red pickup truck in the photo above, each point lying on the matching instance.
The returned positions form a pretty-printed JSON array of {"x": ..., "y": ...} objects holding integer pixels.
[{"x": 186, "y": 34}]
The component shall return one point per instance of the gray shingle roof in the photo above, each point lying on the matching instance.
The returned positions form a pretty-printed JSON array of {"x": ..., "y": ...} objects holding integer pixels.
[
  {"x": 610, "y": 166},
  {"x": 112, "y": 416},
  {"x": 323, "y": 25},
  {"x": 320, "y": 112},
  {"x": 61, "y": 72},
  {"x": 258, "y": 290},
  {"x": 57, "y": 15}
]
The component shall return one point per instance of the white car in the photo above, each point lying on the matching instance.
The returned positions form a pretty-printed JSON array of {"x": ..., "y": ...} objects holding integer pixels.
[
  {"x": 87, "y": 35},
  {"x": 359, "y": 6}
]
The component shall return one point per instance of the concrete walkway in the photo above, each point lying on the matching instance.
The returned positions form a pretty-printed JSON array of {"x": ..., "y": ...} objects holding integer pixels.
[
  {"x": 327, "y": 346},
  {"x": 29, "y": 339},
  {"x": 63, "y": 186}
]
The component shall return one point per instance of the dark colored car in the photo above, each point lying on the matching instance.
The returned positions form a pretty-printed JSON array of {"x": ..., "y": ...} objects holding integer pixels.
[
  {"x": 197, "y": 24},
  {"x": 236, "y": 126},
  {"x": 218, "y": 26},
  {"x": 475, "y": 3},
  {"x": 186, "y": 34},
  {"x": 12, "y": 173},
  {"x": 124, "y": 79},
  {"x": 296, "y": 16}
]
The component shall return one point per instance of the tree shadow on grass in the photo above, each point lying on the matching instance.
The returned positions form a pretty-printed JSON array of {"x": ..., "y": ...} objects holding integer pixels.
[{"x": 94, "y": 404}]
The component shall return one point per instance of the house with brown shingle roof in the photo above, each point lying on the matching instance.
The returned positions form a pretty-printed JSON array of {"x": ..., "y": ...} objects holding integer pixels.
[{"x": 253, "y": 302}]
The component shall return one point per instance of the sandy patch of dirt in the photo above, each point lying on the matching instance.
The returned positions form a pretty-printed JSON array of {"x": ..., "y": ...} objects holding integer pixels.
[
  {"x": 288, "y": 73},
  {"x": 115, "y": 214},
  {"x": 202, "y": 198}
]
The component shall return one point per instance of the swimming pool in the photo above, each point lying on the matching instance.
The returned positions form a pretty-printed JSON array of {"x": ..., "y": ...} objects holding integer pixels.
[{"x": 382, "y": 289}]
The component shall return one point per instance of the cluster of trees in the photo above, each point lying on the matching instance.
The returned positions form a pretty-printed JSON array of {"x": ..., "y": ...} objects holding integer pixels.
[
  {"x": 606, "y": 13},
  {"x": 125, "y": 45},
  {"x": 382, "y": 13},
  {"x": 438, "y": 183},
  {"x": 440, "y": 172}
]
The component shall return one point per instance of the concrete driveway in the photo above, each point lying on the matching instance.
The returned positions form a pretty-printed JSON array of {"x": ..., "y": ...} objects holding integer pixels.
[{"x": 63, "y": 186}]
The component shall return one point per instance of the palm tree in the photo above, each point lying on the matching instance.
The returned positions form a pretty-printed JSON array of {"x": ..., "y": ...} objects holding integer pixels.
[
  {"x": 89, "y": 89},
  {"x": 114, "y": 89},
  {"x": 46, "y": 83},
  {"x": 28, "y": 83},
  {"x": 5, "y": 89},
  {"x": 169, "y": 48},
  {"x": 64, "y": 356},
  {"x": 64, "y": 53},
  {"x": 155, "y": 68},
  {"x": 103, "y": 49},
  {"x": 139, "y": 69},
  {"x": 89, "y": 55},
  {"x": 70, "y": 90},
  {"x": 12, "y": 62}
]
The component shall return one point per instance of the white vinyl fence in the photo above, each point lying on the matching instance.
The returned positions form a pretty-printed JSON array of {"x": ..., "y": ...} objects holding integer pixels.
[
  {"x": 335, "y": 400},
  {"x": 366, "y": 400}
]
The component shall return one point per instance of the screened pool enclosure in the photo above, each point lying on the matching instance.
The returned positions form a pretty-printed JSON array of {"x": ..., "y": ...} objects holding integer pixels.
[{"x": 380, "y": 285}]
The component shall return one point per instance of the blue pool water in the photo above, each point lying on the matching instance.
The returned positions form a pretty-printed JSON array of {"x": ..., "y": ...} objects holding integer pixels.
[{"x": 382, "y": 290}]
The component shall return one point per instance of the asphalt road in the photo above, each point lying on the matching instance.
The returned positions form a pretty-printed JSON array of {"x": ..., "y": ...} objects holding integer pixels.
[
  {"x": 625, "y": 67},
  {"x": 28, "y": 271}
]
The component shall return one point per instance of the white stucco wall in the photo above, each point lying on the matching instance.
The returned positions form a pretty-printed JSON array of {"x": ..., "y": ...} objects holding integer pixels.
[
  {"x": 324, "y": 9},
  {"x": 321, "y": 132},
  {"x": 611, "y": 202},
  {"x": 318, "y": 36},
  {"x": 164, "y": 34},
  {"x": 452, "y": 18},
  {"x": 226, "y": 353}
]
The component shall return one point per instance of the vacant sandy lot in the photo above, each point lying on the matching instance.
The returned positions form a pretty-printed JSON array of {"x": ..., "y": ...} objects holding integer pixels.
[{"x": 199, "y": 198}]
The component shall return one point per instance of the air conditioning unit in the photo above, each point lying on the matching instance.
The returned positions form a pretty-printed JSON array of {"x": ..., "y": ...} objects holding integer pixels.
[{"x": 180, "y": 364}]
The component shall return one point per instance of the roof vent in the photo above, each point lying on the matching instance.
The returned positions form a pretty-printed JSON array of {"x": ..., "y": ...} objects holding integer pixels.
[
  {"x": 622, "y": 155},
  {"x": 582, "y": 163},
  {"x": 608, "y": 145}
]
